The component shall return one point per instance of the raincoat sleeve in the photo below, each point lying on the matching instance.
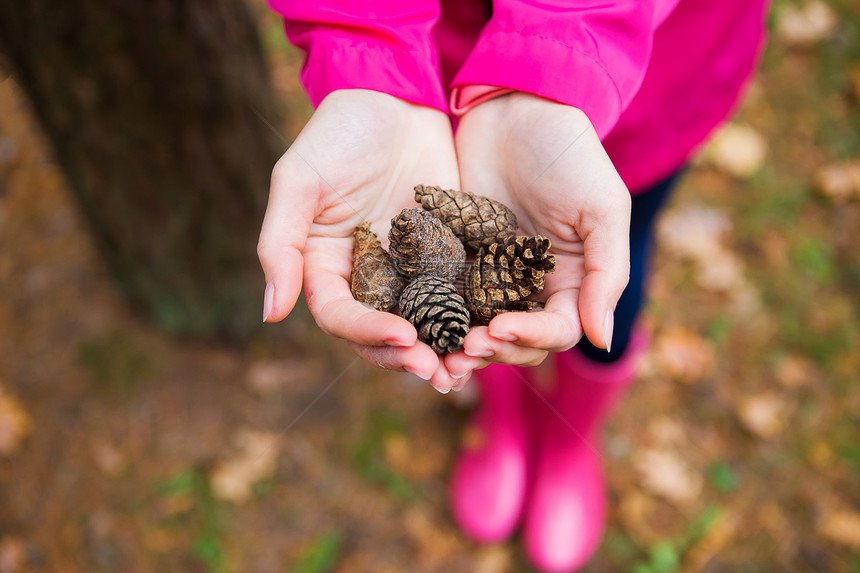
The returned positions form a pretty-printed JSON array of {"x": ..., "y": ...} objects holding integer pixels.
[
  {"x": 381, "y": 45},
  {"x": 591, "y": 55}
]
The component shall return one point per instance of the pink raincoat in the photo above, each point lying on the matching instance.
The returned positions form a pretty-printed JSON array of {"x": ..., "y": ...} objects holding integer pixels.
[{"x": 655, "y": 77}]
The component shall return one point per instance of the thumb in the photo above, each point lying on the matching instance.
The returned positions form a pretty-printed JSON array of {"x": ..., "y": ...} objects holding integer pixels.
[
  {"x": 291, "y": 209},
  {"x": 606, "y": 237}
]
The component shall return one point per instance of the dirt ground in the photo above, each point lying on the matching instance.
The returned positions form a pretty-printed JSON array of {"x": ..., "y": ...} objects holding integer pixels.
[{"x": 738, "y": 449}]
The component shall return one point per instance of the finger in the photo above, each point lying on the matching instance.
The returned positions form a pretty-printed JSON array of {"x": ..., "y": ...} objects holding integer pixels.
[
  {"x": 292, "y": 206},
  {"x": 479, "y": 343},
  {"x": 461, "y": 383},
  {"x": 442, "y": 380},
  {"x": 338, "y": 314},
  {"x": 555, "y": 328},
  {"x": 461, "y": 364},
  {"x": 606, "y": 236},
  {"x": 418, "y": 359}
]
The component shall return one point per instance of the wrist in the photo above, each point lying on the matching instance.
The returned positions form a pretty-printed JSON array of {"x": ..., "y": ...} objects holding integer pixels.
[
  {"x": 524, "y": 113},
  {"x": 360, "y": 101}
]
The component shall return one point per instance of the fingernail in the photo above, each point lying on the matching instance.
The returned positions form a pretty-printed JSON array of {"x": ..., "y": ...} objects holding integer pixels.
[
  {"x": 268, "y": 300},
  {"x": 607, "y": 335},
  {"x": 445, "y": 391},
  {"x": 455, "y": 377},
  {"x": 415, "y": 373},
  {"x": 462, "y": 384},
  {"x": 481, "y": 353},
  {"x": 396, "y": 342},
  {"x": 506, "y": 336}
]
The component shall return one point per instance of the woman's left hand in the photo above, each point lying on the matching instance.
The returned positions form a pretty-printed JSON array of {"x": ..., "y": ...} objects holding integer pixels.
[{"x": 545, "y": 161}]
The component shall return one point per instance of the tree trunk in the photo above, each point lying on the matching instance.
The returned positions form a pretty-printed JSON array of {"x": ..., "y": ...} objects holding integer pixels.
[{"x": 154, "y": 113}]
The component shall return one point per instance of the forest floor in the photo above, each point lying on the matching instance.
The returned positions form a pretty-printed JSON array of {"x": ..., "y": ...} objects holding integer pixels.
[{"x": 738, "y": 449}]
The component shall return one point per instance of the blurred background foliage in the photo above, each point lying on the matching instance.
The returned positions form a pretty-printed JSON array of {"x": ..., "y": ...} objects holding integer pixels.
[{"x": 127, "y": 445}]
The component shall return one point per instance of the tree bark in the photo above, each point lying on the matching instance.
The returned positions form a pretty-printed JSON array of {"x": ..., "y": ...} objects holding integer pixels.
[{"x": 154, "y": 113}]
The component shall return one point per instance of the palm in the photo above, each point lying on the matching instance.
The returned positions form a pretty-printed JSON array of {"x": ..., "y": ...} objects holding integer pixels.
[{"x": 544, "y": 202}]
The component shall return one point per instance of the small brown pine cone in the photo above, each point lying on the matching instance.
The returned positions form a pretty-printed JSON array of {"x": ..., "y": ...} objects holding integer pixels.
[
  {"x": 477, "y": 221},
  {"x": 374, "y": 280},
  {"x": 504, "y": 274},
  {"x": 421, "y": 245},
  {"x": 437, "y": 311}
]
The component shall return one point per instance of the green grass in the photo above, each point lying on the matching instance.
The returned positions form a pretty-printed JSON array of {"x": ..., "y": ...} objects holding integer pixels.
[
  {"x": 722, "y": 477},
  {"x": 815, "y": 258},
  {"x": 662, "y": 558},
  {"x": 368, "y": 454},
  {"x": 719, "y": 329},
  {"x": 321, "y": 556},
  {"x": 665, "y": 555},
  {"x": 115, "y": 361},
  {"x": 204, "y": 521}
]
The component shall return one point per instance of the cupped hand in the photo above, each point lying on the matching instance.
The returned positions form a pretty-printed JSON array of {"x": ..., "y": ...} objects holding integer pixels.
[
  {"x": 545, "y": 161},
  {"x": 356, "y": 160}
]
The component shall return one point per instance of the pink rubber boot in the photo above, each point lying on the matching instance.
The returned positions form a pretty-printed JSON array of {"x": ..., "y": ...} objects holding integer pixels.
[
  {"x": 489, "y": 482},
  {"x": 566, "y": 515}
]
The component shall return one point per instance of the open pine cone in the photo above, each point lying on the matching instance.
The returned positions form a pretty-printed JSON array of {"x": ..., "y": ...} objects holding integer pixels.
[
  {"x": 505, "y": 273},
  {"x": 477, "y": 221},
  {"x": 374, "y": 280},
  {"x": 421, "y": 245},
  {"x": 437, "y": 311}
]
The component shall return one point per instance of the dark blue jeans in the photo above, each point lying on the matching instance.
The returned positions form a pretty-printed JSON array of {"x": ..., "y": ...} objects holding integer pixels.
[{"x": 645, "y": 208}]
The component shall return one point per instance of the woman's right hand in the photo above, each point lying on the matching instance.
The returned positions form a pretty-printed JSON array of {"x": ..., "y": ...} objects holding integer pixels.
[{"x": 356, "y": 160}]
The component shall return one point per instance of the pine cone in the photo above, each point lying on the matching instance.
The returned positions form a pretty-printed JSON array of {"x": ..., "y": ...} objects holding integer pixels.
[
  {"x": 437, "y": 311},
  {"x": 477, "y": 221},
  {"x": 422, "y": 245},
  {"x": 504, "y": 274},
  {"x": 374, "y": 280}
]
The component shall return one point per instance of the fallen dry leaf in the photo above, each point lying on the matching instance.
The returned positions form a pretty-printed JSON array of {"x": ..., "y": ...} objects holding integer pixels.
[
  {"x": 839, "y": 181},
  {"x": 160, "y": 540},
  {"x": 807, "y": 24},
  {"x": 854, "y": 83},
  {"x": 266, "y": 378},
  {"x": 493, "y": 559},
  {"x": 820, "y": 454},
  {"x": 666, "y": 431},
  {"x": 12, "y": 555},
  {"x": 256, "y": 458},
  {"x": 174, "y": 505},
  {"x": 397, "y": 452},
  {"x": 720, "y": 534},
  {"x": 416, "y": 459},
  {"x": 433, "y": 541},
  {"x": 109, "y": 459},
  {"x": 684, "y": 355},
  {"x": 736, "y": 149},
  {"x": 763, "y": 414},
  {"x": 15, "y": 423},
  {"x": 775, "y": 247},
  {"x": 795, "y": 371},
  {"x": 696, "y": 234},
  {"x": 778, "y": 527},
  {"x": 693, "y": 232},
  {"x": 8, "y": 150},
  {"x": 635, "y": 512},
  {"x": 666, "y": 474},
  {"x": 724, "y": 272},
  {"x": 841, "y": 527},
  {"x": 744, "y": 301}
]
